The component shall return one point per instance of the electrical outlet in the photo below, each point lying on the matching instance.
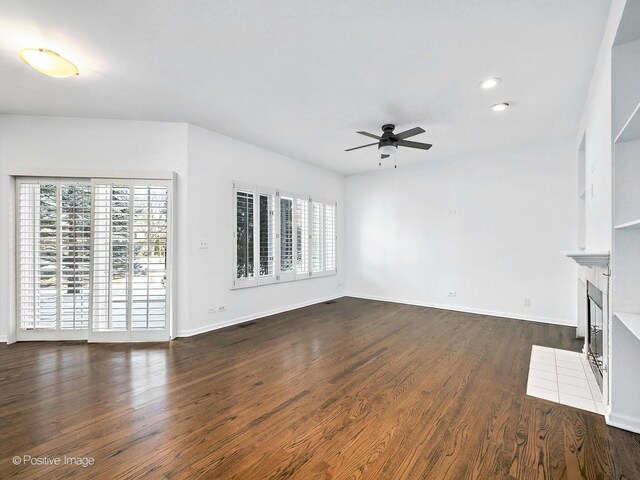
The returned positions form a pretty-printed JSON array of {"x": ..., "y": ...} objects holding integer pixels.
[
  {"x": 340, "y": 284},
  {"x": 451, "y": 212},
  {"x": 222, "y": 308},
  {"x": 527, "y": 302},
  {"x": 211, "y": 310},
  {"x": 203, "y": 244},
  {"x": 452, "y": 294}
]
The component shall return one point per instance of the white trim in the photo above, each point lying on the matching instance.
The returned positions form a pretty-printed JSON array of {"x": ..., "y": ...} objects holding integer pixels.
[
  {"x": 91, "y": 173},
  {"x": 4, "y": 339},
  {"x": 129, "y": 336},
  {"x": 623, "y": 421},
  {"x": 254, "y": 316},
  {"x": 455, "y": 308}
]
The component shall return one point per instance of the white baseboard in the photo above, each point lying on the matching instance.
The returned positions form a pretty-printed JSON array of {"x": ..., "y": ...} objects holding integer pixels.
[
  {"x": 254, "y": 316},
  {"x": 3, "y": 339},
  {"x": 623, "y": 421},
  {"x": 455, "y": 308}
]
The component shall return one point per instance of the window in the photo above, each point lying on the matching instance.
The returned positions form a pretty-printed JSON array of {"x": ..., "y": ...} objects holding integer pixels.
[
  {"x": 296, "y": 236},
  {"x": 244, "y": 234}
]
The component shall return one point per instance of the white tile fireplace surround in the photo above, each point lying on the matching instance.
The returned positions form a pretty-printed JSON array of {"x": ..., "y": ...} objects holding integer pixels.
[{"x": 564, "y": 377}]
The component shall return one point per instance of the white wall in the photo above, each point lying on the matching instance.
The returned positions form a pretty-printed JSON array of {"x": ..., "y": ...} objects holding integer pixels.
[
  {"x": 595, "y": 126},
  {"x": 214, "y": 162},
  {"x": 75, "y": 145},
  {"x": 205, "y": 163},
  {"x": 514, "y": 214}
]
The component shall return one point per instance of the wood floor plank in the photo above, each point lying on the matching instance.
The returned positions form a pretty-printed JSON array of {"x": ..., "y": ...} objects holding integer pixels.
[{"x": 352, "y": 389}]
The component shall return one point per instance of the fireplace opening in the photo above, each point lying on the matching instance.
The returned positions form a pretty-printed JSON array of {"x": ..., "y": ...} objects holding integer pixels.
[{"x": 595, "y": 317}]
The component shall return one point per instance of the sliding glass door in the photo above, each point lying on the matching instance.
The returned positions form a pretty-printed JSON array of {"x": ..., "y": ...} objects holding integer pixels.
[
  {"x": 92, "y": 259},
  {"x": 130, "y": 277},
  {"x": 53, "y": 259}
]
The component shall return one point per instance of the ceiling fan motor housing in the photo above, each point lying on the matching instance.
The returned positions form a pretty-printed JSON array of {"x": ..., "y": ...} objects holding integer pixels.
[
  {"x": 388, "y": 129},
  {"x": 387, "y": 138}
]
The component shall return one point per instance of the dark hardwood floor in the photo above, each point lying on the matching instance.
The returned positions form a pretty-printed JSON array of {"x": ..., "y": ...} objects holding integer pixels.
[{"x": 352, "y": 389}]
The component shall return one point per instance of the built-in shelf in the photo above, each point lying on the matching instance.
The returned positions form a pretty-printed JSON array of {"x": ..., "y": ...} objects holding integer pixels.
[
  {"x": 633, "y": 224},
  {"x": 631, "y": 129},
  {"x": 631, "y": 321},
  {"x": 590, "y": 259}
]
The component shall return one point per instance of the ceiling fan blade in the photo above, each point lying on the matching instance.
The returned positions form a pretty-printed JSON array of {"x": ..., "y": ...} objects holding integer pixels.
[
  {"x": 408, "y": 133},
  {"x": 407, "y": 143},
  {"x": 383, "y": 156},
  {"x": 361, "y": 146},
  {"x": 367, "y": 134}
]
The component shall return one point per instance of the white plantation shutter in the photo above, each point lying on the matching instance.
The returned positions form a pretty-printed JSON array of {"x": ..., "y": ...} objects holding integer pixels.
[
  {"x": 130, "y": 245},
  {"x": 53, "y": 240},
  {"x": 244, "y": 234},
  {"x": 75, "y": 255},
  {"x": 302, "y": 237},
  {"x": 279, "y": 236},
  {"x": 102, "y": 249},
  {"x": 150, "y": 210},
  {"x": 317, "y": 237},
  {"x": 266, "y": 226},
  {"x": 330, "y": 237},
  {"x": 287, "y": 237}
]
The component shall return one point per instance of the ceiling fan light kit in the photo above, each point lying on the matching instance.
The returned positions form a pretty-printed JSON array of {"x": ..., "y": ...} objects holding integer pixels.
[{"x": 387, "y": 149}]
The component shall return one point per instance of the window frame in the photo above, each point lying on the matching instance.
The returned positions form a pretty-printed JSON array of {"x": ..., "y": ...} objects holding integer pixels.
[{"x": 279, "y": 275}]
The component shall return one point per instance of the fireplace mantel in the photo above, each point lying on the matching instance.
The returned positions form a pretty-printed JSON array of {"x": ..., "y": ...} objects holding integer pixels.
[{"x": 590, "y": 259}]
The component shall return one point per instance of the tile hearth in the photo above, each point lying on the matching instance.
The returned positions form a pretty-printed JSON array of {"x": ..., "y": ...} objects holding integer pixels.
[{"x": 565, "y": 377}]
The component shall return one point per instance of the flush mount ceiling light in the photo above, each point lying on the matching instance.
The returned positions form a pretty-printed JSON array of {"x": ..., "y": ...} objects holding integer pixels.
[
  {"x": 499, "y": 107},
  {"x": 489, "y": 83},
  {"x": 48, "y": 62}
]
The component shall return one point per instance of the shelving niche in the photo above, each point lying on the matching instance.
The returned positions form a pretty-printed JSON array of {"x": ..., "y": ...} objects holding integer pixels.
[{"x": 624, "y": 336}]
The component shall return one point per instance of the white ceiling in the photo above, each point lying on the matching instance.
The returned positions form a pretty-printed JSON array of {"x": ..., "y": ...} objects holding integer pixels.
[{"x": 299, "y": 77}]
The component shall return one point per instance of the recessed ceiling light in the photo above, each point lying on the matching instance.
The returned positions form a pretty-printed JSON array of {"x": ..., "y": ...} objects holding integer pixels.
[
  {"x": 48, "y": 62},
  {"x": 499, "y": 107},
  {"x": 489, "y": 83}
]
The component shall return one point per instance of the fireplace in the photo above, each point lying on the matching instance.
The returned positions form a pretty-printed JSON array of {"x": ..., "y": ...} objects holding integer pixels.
[{"x": 595, "y": 316}]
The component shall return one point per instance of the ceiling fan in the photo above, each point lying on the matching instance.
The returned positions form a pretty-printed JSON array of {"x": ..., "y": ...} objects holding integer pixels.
[{"x": 389, "y": 141}]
